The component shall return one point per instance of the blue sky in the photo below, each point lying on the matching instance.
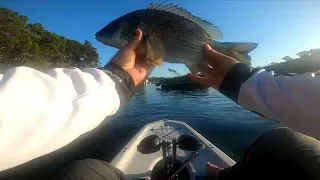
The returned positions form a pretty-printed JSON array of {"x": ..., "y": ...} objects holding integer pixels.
[{"x": 279, "y": 27}]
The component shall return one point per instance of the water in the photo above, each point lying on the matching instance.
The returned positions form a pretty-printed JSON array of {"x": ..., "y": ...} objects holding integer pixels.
[{"x": 226, "y": 124}]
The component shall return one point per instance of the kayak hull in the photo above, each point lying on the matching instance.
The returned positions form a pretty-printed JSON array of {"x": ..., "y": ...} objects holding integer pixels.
[{"x": 134, "y": 164}]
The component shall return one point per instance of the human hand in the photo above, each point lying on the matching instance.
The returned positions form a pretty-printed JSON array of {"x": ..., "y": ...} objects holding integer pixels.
[
  {"x": 220, "y": 65},
  {"x": 130, "y": 61},
  {"x": 213, "y": 170}
]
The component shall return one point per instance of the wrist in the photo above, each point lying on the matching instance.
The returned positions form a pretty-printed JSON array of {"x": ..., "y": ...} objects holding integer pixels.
[
  {"x": 134, "y": 77},
  {"x": 140, "y": 74},
  {"x": 124, "y": 67},
  {"x": 124, "y": 82},
  {"x": 233, "y": 79},
  {"x": 222, "y": 73}
]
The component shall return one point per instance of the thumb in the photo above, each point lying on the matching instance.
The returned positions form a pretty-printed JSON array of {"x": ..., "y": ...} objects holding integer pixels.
[
  {"x": 135, "y": 41},
  {"x": 201, "y": 80},
  {"x": 208, "y": 51},
  {"x": 212, "y": 54}
]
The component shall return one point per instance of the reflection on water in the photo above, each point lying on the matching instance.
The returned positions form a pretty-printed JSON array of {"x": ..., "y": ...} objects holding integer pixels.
[{"x": 226, "y": 124}]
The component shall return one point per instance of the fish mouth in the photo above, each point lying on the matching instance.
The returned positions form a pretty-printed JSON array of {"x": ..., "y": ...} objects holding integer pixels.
[
  {"x": 108, "y": 41},
  {"x": 103, "y": 40}
]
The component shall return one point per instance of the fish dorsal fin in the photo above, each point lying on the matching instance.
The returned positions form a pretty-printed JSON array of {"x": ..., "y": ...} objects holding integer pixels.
[{"x": 211, "y": 29}]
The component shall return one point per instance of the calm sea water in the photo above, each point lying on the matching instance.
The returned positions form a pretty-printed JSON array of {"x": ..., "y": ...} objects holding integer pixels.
[{"x": 223, "y": 122}]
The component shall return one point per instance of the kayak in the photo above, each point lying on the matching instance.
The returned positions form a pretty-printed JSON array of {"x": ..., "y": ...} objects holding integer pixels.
[{"x": 169, "y": 149}]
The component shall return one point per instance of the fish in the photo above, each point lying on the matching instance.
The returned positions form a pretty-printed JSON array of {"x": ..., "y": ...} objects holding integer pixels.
[{"x": 172, "y": 34}]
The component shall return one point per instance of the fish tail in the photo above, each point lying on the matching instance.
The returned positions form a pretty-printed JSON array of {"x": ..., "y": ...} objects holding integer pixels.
[{"x": 239, "y": 51}]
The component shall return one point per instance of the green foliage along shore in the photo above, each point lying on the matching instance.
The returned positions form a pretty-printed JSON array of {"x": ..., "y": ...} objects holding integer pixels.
[
  {"x": 22, "y": 43},
  {"x": 308, "y": 61}
]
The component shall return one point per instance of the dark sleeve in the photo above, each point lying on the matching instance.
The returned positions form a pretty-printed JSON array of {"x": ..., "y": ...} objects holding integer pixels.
[
  {"x": 233, "y": 80},
  {"x": 124, "y": 83},
  {"x": 237, "y": 171},
  {"x": 278, "y": 154}
]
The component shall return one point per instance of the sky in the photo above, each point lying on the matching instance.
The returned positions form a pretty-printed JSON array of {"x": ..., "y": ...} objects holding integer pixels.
[{"x": 280, "y": 28}]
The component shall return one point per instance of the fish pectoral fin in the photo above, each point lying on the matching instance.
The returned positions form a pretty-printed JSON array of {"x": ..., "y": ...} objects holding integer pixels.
[
  {"x": 198, "y": 69},
  {"x": 149, "y": 53},
  {"x": 150, "y": 57},
  {"x": 157, "y": 62}
]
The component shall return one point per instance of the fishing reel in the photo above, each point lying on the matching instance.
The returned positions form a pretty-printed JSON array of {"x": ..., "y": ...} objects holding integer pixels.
[
  {"x": 152, "y": 144},
  {"x": 171, "y": 168}
]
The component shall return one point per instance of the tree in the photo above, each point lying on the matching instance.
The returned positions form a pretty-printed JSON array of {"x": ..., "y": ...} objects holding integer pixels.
[
  {"x": 314, "y": 52},
  {"x": 308, "y": 61},
  {"x": 14, "y": 38},
  {"x": 272, "y": 63},
  {"x": 287, "y": 58},
  {"x": 303, "y": 54},
  {"x": 90, "y": 57},
  {"x": 73, "y": 52},
  {"x": 30, "y": 44},
  {"x": 36, "y": 28}
]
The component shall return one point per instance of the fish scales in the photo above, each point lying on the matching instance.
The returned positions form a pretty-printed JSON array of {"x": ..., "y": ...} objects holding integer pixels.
[{"x": 182, "y": 38}]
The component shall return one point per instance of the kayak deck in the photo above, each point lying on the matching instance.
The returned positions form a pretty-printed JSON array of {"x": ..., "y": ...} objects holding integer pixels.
[{"x": 134, "y": 164}]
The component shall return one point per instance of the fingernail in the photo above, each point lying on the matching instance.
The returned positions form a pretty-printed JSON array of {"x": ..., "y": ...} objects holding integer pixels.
[
  {"x": 138, "y": 34},
  {"x": 190, "y": 75},
  {"x": 207, "y": 46}
]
